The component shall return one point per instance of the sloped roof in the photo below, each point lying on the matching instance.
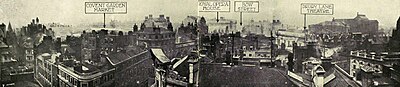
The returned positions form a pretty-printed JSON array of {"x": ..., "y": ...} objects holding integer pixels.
[
  {"x": 66, "y": 48},
  {"x": 159, "y": 55},
  {"x": 117, "y": 58},
  {"x": 2, "y": 44},
  {"x": 179, "y": 62},
  {"x": 341, "y": 80}
]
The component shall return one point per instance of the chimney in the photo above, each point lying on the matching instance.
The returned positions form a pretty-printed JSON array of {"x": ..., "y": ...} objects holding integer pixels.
[
  {"x": 120, "y": 33},
  {"x": 135, "y": 28},
  {"x": 318, "y": 77},
  {"x": 37, "y": 20},
  {"x": 228, "y": 57},
  {"x": 68, "y": 38},
  {"x": 130, "y": 33},
  {"x": 103, "y": 56},
  {"x": 58, "y": 44},
  {"x": 94, "y": 32},
  {"x": 103, "y": 32},
  {"x": 167, "y": 19},
  {"x": 161, "y": 16},
  {"x": 327, "y": 63},
  {"x": 290, "y": 62},
  {"x": 47, "y": 38},
  {"x": 113, "y": 33},
  {"x": 192, "y": 60}
]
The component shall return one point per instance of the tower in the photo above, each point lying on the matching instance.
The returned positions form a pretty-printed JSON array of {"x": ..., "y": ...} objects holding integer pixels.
[
  {"x": 9, "y": 27},
  {"x": 202, "y": 25},
  {"x": 10, "y": 35},
  {"x": 142, "y": 26},
  {"x": 170, "y": 27},
  {"x": 395, "y": 39},
  {"x": 135, "y": 28}
]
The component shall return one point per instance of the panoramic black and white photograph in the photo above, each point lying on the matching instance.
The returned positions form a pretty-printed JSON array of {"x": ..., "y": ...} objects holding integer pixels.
[{"x": 199, "y": 43}]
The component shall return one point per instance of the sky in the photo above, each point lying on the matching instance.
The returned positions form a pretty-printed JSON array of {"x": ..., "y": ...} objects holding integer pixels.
[{"x": 21, "y": 12}]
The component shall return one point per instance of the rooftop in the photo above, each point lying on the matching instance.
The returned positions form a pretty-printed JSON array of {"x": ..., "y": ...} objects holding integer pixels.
[
  {"x": 375, "y": 56},
  {"x": 160, "y": 56},
  {"x": 154, "y": 30},
  {"x": 122, "y": 56},
  {"x": 212, "y": 75}
]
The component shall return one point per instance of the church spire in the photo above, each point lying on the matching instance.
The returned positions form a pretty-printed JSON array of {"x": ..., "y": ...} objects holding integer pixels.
[
  {"x": 135, "y": 28},
  {"x": 398, "y": 23},
  {"x": 9, "y": 27}
]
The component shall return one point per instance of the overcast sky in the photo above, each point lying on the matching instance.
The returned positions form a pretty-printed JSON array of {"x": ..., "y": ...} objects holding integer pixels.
[{"x": 21, "y": 12}]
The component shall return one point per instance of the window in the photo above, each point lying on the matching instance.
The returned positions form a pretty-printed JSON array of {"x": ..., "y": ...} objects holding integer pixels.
[
  {"x": 249, "y": 54},
  {"x": 85, "y": 85},
  {"x": 29, "y": 58},
  {"x": 110, "y": 77},
  {"x": 62, "y": 84}
]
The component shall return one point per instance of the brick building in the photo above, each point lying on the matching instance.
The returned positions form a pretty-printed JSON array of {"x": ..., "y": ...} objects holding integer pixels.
[{"x": 157, "y": 33}]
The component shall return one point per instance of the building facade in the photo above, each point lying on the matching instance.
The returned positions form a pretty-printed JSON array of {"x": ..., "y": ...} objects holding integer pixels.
[
  {"x": 374, "y": 69},
  {"x": 359, "y": 24},
  {"x": 153, "y": 33}
]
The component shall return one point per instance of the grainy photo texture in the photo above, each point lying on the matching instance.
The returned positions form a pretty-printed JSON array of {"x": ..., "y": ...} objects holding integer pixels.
[{"x": 199, "y": 43}]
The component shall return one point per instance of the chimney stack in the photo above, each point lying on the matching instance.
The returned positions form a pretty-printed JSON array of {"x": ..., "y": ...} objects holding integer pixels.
[
  {"x": 120, "y": 33},
  {"x": 162, "y": 16},
  {"x": 135, "y": 28},
  {"x": 130, "y": 33},
  {"x": 318, "y": 77},
  {"x": 327, "y": 63},
  {"x": 167, "y": 19}
]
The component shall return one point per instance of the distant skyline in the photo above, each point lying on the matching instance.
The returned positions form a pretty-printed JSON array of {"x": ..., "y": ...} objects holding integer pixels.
[
  {"x": 385, "y": 11},
  {"x": 21, "y": 12}
]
